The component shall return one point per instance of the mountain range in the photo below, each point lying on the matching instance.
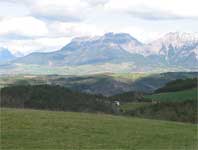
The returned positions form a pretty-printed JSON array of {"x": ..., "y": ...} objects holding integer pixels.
[
  {"x": 171, "y": 50},
  {"x": 6, "y": 55}
]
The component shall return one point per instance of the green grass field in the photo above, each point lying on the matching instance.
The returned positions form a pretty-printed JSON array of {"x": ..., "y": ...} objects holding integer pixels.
[
  {"x": 47, "y": 130},
  {"x": 67, "y": 70},
  {"x": 190, "y": 94}
]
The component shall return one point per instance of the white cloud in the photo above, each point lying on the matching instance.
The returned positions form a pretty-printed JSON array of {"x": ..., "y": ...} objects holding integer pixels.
[
  {"x": 73, "y": 29},
  {"x": 22, "y": 26},
  {"x": 69, "y": 11},
  {"x": 97, "y": 2},
  {"x": 60, "y": 33},
  {"x": 78, "y": 10},
  {"x": 35, "y": 45},
  {"x": 61, "y": 10},
  {"x": 29, "y": 25},
  {"x": 159, "y": 9},
  {"x": 12, "y": 9}
]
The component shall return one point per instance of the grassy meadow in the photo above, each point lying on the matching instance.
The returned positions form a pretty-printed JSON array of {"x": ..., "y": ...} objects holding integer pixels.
[
  {"x": 179, "y": 96},
  {"x": 25, "y": 129}
]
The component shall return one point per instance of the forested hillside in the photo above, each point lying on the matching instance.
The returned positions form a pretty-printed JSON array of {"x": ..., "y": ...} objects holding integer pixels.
[
  {"x": 53, "y": 98},
  {"x": 176, "y": 101},
  {"x": 178, "y": 85}
]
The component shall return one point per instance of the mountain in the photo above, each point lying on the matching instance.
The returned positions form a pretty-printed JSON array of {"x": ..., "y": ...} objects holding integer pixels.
[
  {"x": 179, "y": 49},
  {"x": 5, "y": 55},
  {"x": 173, "y": 50},
  {"x": 87, "y": 50}
]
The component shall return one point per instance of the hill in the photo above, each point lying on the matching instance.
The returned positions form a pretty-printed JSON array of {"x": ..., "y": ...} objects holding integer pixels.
[
  {"x": 176, "y": 106},
  {"x": 179, "y": 85},
  {"x": 127, "y": 97},
  {"x": 34, "y": 129},
  {"x": 176, "y": 91},
  {"x": 189, "y": 94},
  {"x": 178, "y": 103},
  {"x": 105, "y": 84},
  {"x": 53, "y": 98}
]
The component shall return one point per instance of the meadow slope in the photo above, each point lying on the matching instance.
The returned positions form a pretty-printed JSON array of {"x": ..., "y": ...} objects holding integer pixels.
[
  {"x": 23, "y": 129},
  {"x": 179, "y": 96}
]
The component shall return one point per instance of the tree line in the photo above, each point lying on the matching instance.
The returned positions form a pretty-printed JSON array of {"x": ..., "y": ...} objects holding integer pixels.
[{"x": 53, "y": 98}]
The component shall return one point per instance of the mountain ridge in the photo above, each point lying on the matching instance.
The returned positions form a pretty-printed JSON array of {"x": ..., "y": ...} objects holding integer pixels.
[
  {"x": 171, "y": 50},
  {"x": 6, "y": 55}
]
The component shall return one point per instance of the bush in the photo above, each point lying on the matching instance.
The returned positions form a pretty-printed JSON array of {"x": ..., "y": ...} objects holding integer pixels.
[{"x": 176, "y": 111}]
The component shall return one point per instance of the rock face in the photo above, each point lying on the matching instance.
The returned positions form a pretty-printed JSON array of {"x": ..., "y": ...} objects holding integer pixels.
[
  {"x": 174, "y": 49},
  {"x": 5, "y": 55}
]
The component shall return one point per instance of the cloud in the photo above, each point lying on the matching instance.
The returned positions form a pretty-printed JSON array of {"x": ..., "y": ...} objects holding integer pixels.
[
  {"x": 57, "y": 16},
  {"x": 22, "y": 27},
  {"x": 52, "y": 10},
  {"x": 10, "y": 9},
  {"x": 58, "y": 10},
  {"x": 29, "y": 25},
  {"x": 80, "y": 10},
  {"x": 152, "y": 14},
  {"x": 73, "y": 29},
  {"x": 97, "y": 2},
  {"x": 155, "y": 9},
  {"x": 35, "y": 45},
  {"x": 58, "y": 35},
  {"x": 61, "y": 10}
]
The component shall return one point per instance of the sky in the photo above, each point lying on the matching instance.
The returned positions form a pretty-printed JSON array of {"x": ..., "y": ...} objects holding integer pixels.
[{"x": 47, "y": 25}]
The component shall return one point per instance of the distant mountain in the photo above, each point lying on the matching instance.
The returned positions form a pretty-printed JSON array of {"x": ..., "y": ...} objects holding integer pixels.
[
  {"x": 87, "y": 50},
  {"x": 179, "y": 49},
  {"x": 171, "y": 50},
  {"x": 5, "y": 55}
]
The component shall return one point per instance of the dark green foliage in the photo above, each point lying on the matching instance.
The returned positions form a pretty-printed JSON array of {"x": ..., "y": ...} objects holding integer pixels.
[
  {"x": 105, "y": 84},
  {"x": 53, "y": 98},
  {"x": 178, "y": 85},
  {"x": 128, "y": 97},
  {"x": 178, "y": 96},
  {"x": 174, "y": 111},
  {"x": 176, "y": 101}
]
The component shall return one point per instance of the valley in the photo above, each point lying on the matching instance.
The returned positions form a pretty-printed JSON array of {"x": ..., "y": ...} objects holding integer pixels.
[
  {"x": 95, "y": 106},
  {"x": 100, "y": 93},
  {"x": 98, "y": 75},
  {"x": 106, "y": 84}
]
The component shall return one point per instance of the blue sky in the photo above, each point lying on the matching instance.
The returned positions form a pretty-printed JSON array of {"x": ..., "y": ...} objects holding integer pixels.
[{"x": 47, "y": 25}]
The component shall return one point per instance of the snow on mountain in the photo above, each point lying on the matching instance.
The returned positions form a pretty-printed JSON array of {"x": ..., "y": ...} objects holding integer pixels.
[
  {"x": 173, "y": 49},
  {"x": 175, "y": 39},
  {"x": 177, "y": 48}
]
